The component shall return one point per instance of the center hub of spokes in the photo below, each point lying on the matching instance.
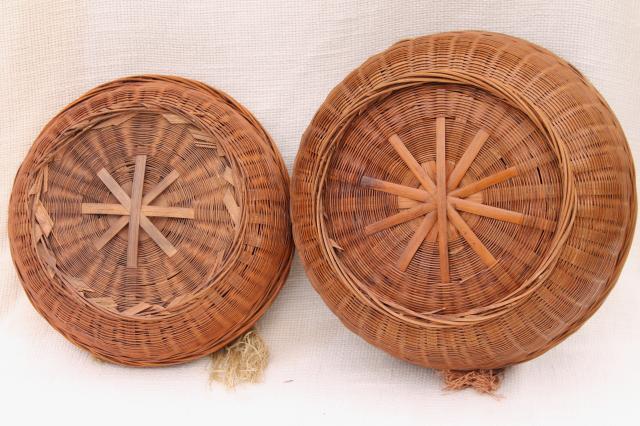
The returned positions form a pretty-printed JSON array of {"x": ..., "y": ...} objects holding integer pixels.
[{"x": 439, "y": 201}]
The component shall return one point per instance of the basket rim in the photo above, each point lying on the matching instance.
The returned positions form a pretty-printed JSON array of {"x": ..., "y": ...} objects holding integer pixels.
[
  {"x": 304, "y": 188},
  {"x": 262, "y": 302}
]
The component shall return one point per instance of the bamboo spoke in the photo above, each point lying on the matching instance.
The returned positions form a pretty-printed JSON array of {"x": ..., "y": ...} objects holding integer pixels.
[
  {"x": 413, "y": 164},
  {"x": 135, "y": 211},
  {"x": 118, "y": 225},
  {"x": 160, "y": 187},
  {"x": 441, "y": 182},
  {"x": 173, "y": 212},
  {"x": 395, "y": 189},
  {"x": 115, "y": 188},
  {"x": 100, "y": 208},
  {"x": 157, "y": 236},
  {"x": 399, "y": 218},
  {"x": 467, "y": 158},
  {"x": 113, "y": 230},
  {"x": 500, "y": 214},
  {"x": 440, "y": 197},
  {"x": 416, "y": 240},
  {"x": 484, "y": 183},
  {"x": 471, "y": 238},
  {"x": 487, "y": 211},
  {"x": 149, "y": 211}
]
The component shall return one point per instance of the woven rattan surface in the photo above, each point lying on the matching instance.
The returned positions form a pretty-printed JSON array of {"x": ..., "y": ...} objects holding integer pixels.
[
  {"x": 149, "y": 221},
  {"x": 464, "y": 200}
]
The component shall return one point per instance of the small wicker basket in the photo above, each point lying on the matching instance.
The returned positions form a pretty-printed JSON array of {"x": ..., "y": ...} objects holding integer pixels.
[
  {"x": 149, "y": 221},
  {"x": 464, "y": 200}
]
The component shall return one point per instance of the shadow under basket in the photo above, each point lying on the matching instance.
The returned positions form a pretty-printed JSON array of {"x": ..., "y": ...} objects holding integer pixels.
[
  {"x": 464, "y": 201},
  {"x": 149, "y": 222}
]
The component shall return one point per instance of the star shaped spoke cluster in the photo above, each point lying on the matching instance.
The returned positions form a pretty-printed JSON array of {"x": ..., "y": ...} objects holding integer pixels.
[
  {"x": 136, "y": 210},
  {"x": 440, "y": 201}
]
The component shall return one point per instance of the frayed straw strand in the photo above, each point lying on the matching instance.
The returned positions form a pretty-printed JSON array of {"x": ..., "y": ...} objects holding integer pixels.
[{"x": 243, "y": 361}]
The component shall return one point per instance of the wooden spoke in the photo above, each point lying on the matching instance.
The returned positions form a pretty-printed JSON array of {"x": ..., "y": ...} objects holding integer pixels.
[
  {"x": 441, "y": 197},
  {"x": 148, "y": 198},
  {"x": 113, "y": 230},
  {"x": 115, "y": 188},
  {"x": 487, "y": 211},
  {"x": 135, "y": 211},
  {"x": 467, "y": 158},
  {"x": 399, "y": 218},
  {"x": 500, "y": 214},
  {"x": 418, "y": 237},
  {"x": 149, "y": 211},
  {"x": 100, "y": 208},
  {"x": 438, "y": 202},
  {"x": 413, "y": 165},
  {"x": 174, "y": 212},
  {"x": 160, "y": 187},
  {"x": 470, "y": 237},
  {"x": 405, "y": 203},
  {"x": 395, "y": 189},
  {"x": 484, "y": 183},
  {"x": 157, "y": 236}
]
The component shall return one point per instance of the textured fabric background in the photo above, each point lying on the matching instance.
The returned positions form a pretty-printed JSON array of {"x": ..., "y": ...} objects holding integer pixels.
[{"x": 280, "y": 59}]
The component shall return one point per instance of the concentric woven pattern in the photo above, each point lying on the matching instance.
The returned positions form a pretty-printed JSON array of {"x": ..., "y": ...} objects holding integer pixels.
[
  {"x": 149, "y": 222},
  {"x": 464, "y": 200}
]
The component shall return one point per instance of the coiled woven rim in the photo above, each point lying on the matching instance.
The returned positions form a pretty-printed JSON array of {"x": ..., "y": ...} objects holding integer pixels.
[
  {"x": 228, "y": 254},
  {"x": 550, "y": 303}
]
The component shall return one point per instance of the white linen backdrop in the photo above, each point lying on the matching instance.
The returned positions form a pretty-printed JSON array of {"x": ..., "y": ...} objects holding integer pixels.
[{"x": 281, "y": 59}]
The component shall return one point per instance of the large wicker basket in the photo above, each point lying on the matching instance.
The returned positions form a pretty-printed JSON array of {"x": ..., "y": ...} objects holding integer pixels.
[
  {"x": 464, "y": 200},
  {"x": 149, "y": 222}
]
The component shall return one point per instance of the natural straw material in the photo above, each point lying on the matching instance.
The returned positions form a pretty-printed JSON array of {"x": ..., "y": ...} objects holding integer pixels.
[
  {"x": 483, "y": 381},
  {"x": 149, "y": 221},
  {"x": 464, "y": 200},
  {"x": 243, "y": 361}
]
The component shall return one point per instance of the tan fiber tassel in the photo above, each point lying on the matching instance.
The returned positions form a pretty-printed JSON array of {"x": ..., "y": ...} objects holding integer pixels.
[
  {"x": 483, "y": 381},
  {"x": 243, "y": 361}
]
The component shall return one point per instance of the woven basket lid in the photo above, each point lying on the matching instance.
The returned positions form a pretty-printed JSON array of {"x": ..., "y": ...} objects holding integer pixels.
[
  {"x": 149, "y": 221},
  {"x": 464, "y": 200}
]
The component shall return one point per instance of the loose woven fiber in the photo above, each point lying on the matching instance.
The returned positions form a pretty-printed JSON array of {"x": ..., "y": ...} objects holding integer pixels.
[
  {"x": 149, "y": 222},
  {"x": 464, "y": 200}
]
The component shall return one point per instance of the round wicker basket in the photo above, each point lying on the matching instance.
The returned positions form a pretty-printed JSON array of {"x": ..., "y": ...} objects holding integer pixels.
[
  {"x": 464, "y": 200},
  {"x": 149, "y": 221}
]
